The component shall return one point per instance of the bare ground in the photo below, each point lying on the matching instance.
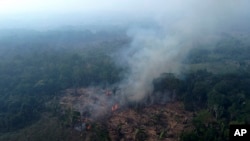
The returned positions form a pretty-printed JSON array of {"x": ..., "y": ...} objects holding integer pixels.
[
  {"x": 157, "y": 122},
  {"x": 151, "y": 123}
]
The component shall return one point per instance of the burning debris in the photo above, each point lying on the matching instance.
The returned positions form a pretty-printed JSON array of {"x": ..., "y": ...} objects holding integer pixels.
[
  {"x": 165, "y": 122},
  {"x": 90, "y": 102},
  {"x": 115, "y": 107},
  {"x": 133, "y": 121},
  {"x": 95, "y": 103}
]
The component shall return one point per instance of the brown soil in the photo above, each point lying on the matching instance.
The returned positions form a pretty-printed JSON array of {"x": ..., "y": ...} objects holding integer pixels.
[{"x": 158, "y": 122}]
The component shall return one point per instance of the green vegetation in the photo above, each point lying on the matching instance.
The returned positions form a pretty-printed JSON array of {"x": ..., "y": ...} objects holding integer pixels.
[
  {"x": 34, "y": 69},
  {"x": 223, "y": 100},
  {"x": 219, "y": 97},
  {"x": 37, "y": 66}
]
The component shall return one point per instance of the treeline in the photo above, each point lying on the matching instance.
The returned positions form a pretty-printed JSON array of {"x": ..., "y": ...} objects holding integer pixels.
[
  {"x": 217, "y": 99},
  {"x": 32, "y": 73},
  {"x": 227, "y": 48}
]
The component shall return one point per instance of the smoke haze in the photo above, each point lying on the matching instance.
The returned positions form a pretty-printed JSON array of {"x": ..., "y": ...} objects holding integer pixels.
[
  {"x": 175, "y": 27},
  {"x": 181, "y": 26}
]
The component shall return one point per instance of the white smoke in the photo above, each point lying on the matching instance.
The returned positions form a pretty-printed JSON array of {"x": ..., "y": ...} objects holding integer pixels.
[{"x": 180, "y": 26}]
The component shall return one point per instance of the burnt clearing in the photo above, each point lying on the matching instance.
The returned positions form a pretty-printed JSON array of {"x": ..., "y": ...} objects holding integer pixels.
[{"x": 97, "y": 114}]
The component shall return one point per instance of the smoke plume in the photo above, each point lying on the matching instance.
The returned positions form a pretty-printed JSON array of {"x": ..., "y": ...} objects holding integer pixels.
[{"x": 180, "y": 26}]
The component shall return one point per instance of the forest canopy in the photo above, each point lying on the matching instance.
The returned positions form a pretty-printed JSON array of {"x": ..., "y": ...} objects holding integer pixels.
[{"x": 39, "y": 65}]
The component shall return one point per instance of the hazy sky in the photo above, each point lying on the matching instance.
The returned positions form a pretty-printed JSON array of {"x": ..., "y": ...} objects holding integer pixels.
[
  {"x": 48, "y": 12},
  {"x": 181, "y": 23},
  {"x": 62, "y": 6},
  {"x": 45, "y": 13}
]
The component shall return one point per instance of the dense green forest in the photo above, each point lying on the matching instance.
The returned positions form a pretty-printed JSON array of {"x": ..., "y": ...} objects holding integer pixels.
[
  {"x": 218, "y": 100},
  {"x": 36, "y": 66}
]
